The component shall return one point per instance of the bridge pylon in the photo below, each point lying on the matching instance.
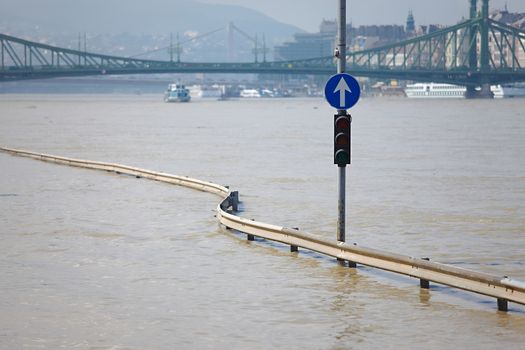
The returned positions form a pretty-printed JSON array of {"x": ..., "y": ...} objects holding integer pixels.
[
  {"x": 473, "y": 52},
  {"x": 484, "y": 64},
  {"x": 481, "y": 65}
]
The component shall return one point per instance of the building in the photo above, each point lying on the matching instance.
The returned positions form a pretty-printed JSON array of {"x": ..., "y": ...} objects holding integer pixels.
[
  {"x": 305, "y": 46},
  {"x": 507, "y": 52},
  {"x": 322, "y": 44},
  {"x": 411, "y": 24},
  {"x": 309, "y": 45},
  {"x": 514, "y": 19}
]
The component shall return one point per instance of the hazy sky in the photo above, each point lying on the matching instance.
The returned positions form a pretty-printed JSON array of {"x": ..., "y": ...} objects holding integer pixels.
[{"x": 307, "y": 14}]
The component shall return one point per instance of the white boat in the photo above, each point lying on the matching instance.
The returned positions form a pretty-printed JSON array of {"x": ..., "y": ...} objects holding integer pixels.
[
  {"x": 201, "y": 91},
  {"x": 177, "y": 93},
  {"x": 250, "y": 93},
  {"x": 508, "y": 90},
  {"x": 267, "y": 93},
  {"x": 434, "y": 90}
]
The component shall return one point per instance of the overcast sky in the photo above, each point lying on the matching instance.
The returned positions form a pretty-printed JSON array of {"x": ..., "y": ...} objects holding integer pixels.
[{"x": 307, "y": 14}]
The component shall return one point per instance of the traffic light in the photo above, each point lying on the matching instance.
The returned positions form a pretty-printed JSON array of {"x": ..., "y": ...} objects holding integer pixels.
[{"x": 342, "y": 139}]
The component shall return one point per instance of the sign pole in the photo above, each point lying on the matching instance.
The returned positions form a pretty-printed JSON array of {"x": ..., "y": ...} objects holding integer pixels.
[
  {"x": 342, "y": 91},
  {"x": 341, "y": 67},
  {"x": 341, "y": 37}
]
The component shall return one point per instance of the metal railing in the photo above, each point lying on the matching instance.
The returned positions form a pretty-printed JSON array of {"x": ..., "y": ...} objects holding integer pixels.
[{"x": 504, "y": 289}]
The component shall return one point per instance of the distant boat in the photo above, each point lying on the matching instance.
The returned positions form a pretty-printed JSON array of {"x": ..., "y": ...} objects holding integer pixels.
[
  {"x": 434, "y": 90},
  {"x": 251, "y": 93},
  {"x": 200, "y": 91},
  {"x": 509, "y": 90},
  {"x": 177, "y": 93},
  {"x": 267, "y": 93}
]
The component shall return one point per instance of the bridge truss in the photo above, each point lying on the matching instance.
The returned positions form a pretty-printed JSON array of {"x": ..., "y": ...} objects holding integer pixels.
[
  {"x": 22, "y": 59},
  {"x": 476, "y": 52}
]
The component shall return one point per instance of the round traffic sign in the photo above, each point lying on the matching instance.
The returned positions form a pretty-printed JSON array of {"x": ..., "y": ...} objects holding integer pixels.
[{"x": 342, "y": 91}]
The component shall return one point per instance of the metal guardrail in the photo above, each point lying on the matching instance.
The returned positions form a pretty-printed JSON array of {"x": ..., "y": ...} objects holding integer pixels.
[{"x": 504, "y": 289}]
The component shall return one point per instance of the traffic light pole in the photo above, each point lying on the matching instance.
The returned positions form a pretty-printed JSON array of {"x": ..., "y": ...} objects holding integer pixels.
[
  {"x": 341, "y": 67},
  {"x": 341, "y": 206}
]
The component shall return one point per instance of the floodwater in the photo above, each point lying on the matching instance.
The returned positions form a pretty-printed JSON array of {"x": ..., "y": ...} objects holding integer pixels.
[{"x": 92, "y": 260}]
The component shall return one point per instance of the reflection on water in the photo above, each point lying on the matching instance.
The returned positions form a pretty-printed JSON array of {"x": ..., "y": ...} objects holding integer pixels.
[{"x": 98, "y": 261}]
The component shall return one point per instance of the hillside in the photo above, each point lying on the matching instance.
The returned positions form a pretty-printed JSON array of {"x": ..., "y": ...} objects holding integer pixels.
[{"x": 140, "y": 25}]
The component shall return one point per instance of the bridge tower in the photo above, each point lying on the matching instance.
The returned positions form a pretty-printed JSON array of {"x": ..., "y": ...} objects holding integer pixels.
[
  {"x": 484, "y": 52},
  {"x": 483, "y": 64},
  {"x": 229, "y": 31},
  {"x": 473, "y": 52},
  {"x": 484, "y": 49}
]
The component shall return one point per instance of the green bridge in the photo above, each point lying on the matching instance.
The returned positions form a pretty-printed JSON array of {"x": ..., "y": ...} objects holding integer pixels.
[{"x": 476, "y": 52}]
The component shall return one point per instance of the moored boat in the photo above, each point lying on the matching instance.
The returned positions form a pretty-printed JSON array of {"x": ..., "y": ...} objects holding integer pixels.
[
  {"x": 177, "y": 93},
  {"x": 437, "y": 90},
  {"x": 508, "y": 90},
  {"x": 207, "y": 91},
  {"x": 250, "y": 93},
  {"x": 434, "y": 90}
]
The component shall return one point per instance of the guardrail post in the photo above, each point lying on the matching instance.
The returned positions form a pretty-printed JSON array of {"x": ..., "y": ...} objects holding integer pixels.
[
  {"x": 249, "y": 236},
  {"x": 231, "y": 201},
  {"x": 425, "y": 284},
  {"x": 234, "y": 200},
  {"x": 503, "y": 305},
  {"x": 294, "y": 248}
]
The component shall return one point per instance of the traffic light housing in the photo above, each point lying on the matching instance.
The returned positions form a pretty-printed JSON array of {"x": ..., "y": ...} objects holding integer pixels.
[{"x": 342, "y": 139}]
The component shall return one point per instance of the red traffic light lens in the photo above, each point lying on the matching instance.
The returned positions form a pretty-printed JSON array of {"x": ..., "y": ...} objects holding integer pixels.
[{"x": 342, "y": 123}]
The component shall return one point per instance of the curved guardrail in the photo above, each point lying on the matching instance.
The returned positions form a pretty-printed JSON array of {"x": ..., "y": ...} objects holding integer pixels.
[{"x": 503, "y": 288}]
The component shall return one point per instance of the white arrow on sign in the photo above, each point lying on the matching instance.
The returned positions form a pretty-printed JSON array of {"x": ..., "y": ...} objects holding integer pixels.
[{"x": 342, "y": 87}]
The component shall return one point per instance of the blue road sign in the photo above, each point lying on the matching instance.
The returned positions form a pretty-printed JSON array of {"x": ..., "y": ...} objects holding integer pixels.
[{"x": 342, "y": 91}]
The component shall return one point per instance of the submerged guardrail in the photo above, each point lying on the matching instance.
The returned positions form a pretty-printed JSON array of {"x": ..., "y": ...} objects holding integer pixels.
[{"x": 504, "y": 289}]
